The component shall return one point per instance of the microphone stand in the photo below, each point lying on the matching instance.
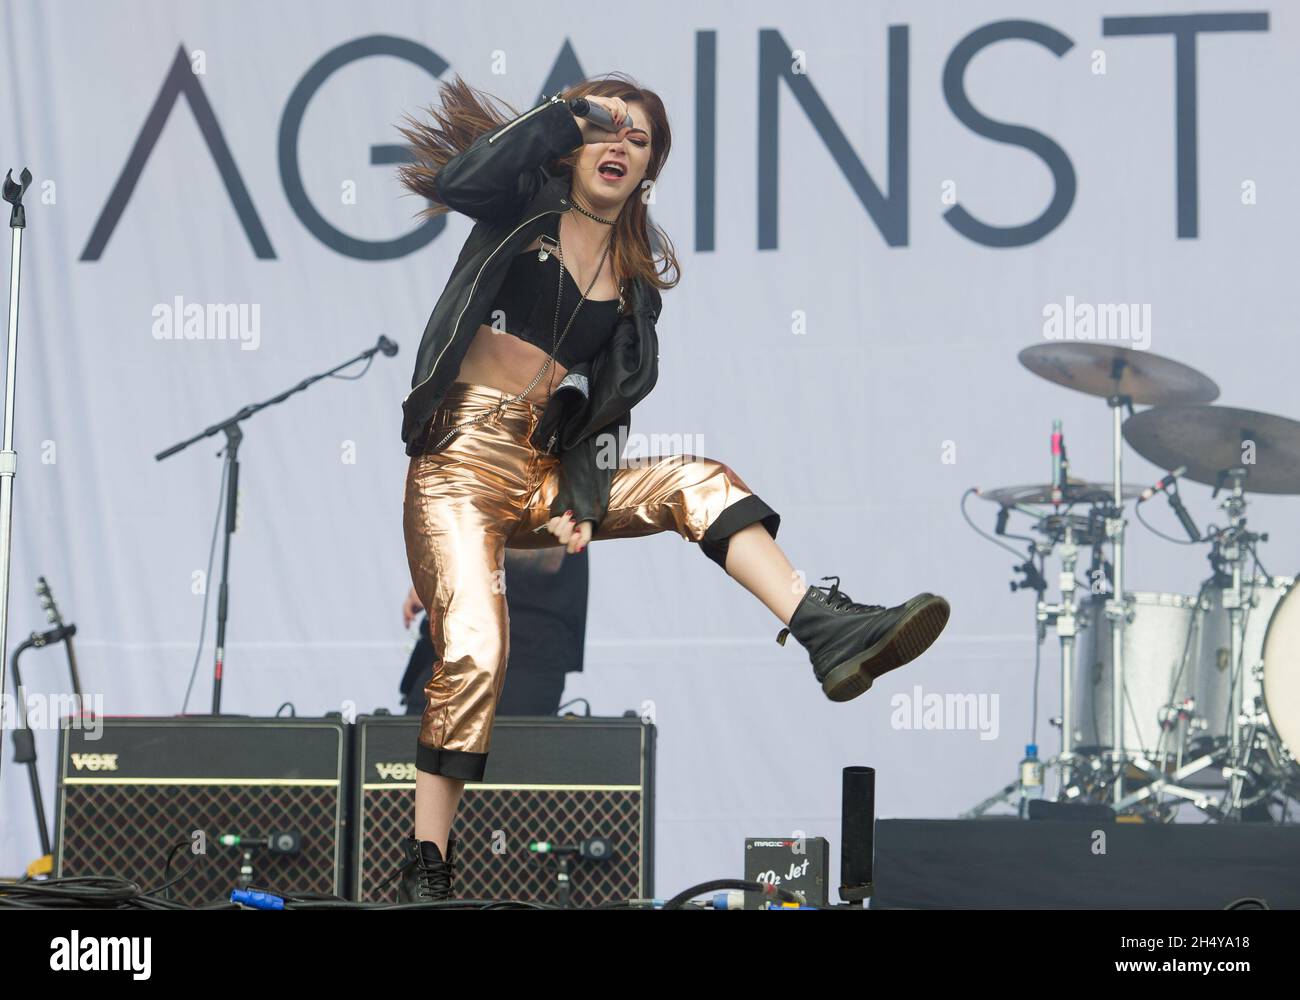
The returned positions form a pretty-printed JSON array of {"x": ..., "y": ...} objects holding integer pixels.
[
  {"x": 24, "y": 739},
  {"x": 13, "y": 193},
  {"x": 234, "y": 436}
]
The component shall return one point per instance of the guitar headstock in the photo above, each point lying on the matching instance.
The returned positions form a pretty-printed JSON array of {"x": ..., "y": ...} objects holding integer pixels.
[{"x": 47, "y": 602}]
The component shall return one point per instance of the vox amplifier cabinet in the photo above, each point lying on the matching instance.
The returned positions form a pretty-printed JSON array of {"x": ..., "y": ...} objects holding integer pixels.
[
  {"x": 138, "y": 787},
  {"x": 564, "y": 813}
]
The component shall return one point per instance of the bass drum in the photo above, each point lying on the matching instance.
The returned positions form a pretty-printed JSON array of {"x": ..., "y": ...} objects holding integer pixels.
[
  {"x": 1282, "y": 685},
  {"x": 1161, "y": 642}
]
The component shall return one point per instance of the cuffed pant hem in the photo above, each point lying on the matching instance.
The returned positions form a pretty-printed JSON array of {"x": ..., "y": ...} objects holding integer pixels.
[
  {"x": 450, "y": 763},
  {"x": 741, "y": 514}
]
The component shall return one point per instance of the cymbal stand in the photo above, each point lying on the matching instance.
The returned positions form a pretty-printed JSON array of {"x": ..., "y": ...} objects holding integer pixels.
[
  {"x": 1235, "y": 543},
  {"x": 1117, "y": 604}
]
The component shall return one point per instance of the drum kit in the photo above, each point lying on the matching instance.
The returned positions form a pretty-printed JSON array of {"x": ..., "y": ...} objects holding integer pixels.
[{"x": 1165, "y": 698}]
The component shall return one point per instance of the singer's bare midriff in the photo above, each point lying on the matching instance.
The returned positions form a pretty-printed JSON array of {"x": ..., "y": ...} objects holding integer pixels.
[{"x": 503, "y": 361}]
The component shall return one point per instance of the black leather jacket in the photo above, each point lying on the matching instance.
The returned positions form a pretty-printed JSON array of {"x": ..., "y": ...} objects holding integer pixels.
[{"x": 502, "y": 182}]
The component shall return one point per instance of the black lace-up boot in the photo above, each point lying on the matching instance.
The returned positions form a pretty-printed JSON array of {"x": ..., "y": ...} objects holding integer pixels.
[
  {"x": 426, "y": 875},
  {"x": 853, "y": 644}
]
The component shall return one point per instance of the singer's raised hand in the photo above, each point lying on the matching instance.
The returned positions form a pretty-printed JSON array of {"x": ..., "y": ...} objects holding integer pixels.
[{"x": 618, "y": 111}]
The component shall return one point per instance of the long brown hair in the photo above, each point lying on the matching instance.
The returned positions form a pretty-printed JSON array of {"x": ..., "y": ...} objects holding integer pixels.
[{"x": 641, "y": 248}]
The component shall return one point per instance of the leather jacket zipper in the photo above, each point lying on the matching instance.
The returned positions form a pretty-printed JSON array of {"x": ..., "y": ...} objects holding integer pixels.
[
  {"x": 469, "y": 298},
  {"x": 528, "y": 114}
]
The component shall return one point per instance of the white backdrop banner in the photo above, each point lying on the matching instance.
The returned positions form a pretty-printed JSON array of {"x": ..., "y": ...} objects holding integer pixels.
[{"x": 877, "y": 205}]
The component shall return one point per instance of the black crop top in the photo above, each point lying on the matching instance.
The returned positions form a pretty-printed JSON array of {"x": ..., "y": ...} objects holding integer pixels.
[{"x": 525, "y": 308}]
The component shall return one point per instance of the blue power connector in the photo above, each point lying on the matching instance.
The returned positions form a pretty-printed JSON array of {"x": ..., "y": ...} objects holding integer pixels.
[{"x": 257, "y": 900}]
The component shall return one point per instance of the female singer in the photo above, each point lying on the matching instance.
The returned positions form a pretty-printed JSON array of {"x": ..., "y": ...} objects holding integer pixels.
[{"x": 538, "y": 348}]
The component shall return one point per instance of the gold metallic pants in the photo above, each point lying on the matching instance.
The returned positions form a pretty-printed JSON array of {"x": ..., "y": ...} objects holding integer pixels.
[{"x": 486, "y": 490}]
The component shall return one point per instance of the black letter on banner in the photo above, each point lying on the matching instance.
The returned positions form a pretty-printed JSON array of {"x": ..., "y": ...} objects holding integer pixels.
[
  {"x": 890, "y": 214},
  {"x": 291, "y": 123},
  {"x": 706, "y": 138},
  {"x": 180, "y": 80},
  {"x": 1184, "y": 28},
  {"x": 954, "y": 91}
]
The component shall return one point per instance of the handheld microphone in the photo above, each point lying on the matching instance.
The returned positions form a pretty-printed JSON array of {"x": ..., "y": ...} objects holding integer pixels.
[
  {"x": 1164, "y": 484},
  {"x": 597, "y": 115}
]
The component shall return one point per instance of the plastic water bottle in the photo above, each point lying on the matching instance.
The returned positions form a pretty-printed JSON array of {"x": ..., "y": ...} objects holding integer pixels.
[{"x": 1031, "y": 779}]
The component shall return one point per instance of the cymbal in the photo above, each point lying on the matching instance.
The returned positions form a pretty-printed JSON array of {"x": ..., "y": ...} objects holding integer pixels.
[
  {"x": 1210, "y": 439},
  {"x": 1146, "y": 378},
  {"x": 1076, "y": 491}
]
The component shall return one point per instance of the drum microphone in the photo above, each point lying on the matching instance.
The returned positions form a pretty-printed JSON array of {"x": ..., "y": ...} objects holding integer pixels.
[
  {"x": 1058, "y": 464},
  {"x": 386, "y": 346},
  {"x": 597, "y": 115},
  {"x": 1161, "y": 486},
  {"x": 1175, "y": 501},
  {"x": 1184, "y": 518}
]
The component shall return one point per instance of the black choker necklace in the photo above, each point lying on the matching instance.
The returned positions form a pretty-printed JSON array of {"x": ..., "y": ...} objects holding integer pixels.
[{"x": 608, "y": 222}]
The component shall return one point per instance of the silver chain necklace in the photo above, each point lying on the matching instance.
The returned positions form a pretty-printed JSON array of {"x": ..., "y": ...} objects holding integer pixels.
[{"x": 556, "y": 338}]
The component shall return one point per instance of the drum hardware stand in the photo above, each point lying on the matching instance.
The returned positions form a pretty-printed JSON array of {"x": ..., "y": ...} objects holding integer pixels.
[
  {"x": 1034, "y": 580},
  {"x": 1234, "y": 543},
  {"x": 1063, "y": 616},
  {"x": 1170, "y": 784},
  {"x": 1085, "y": 766},
  {"x": 1253, "y": 729},
  {"x": 1007, "y": 793},
  {"x": 1228, "y": 557},
  {"x": 1116, "y": 606},
  {"x": 1180, "y": 719}
]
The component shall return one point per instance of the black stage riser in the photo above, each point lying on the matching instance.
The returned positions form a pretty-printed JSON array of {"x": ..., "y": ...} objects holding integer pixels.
[{"x": 1001, "y": 863}]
